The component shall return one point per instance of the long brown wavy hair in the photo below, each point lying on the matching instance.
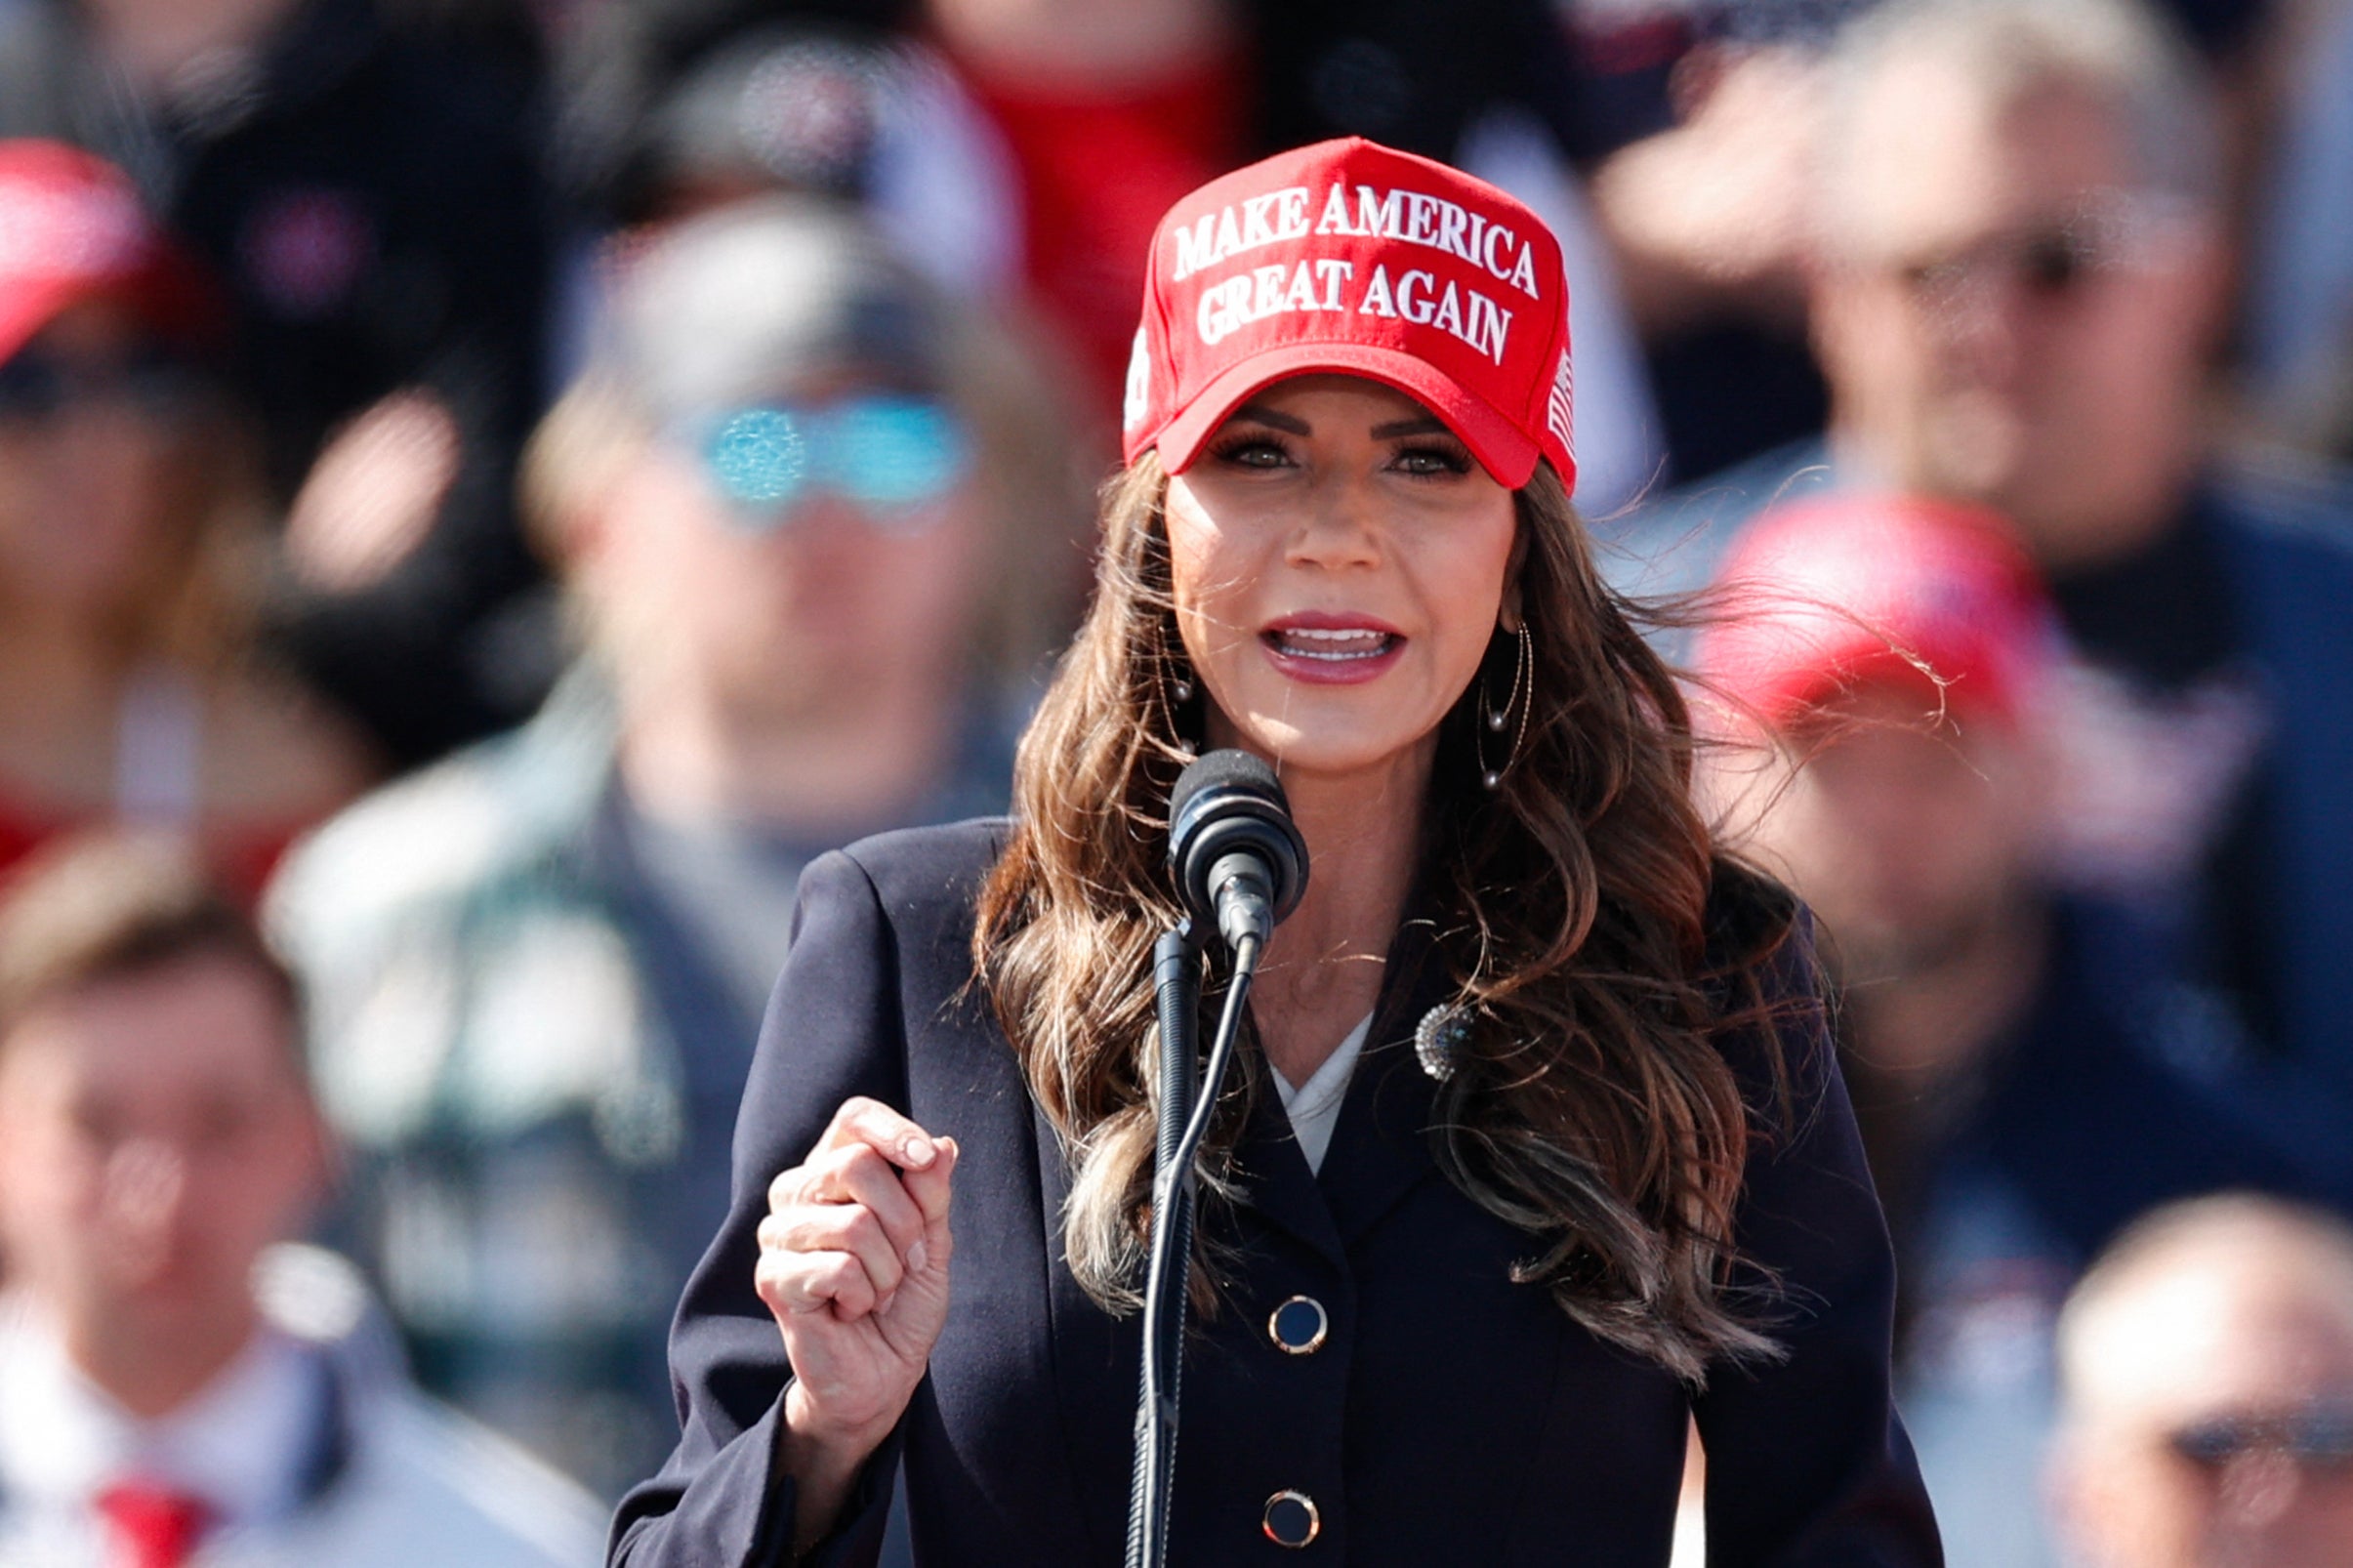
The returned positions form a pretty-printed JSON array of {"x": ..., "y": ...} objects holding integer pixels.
[{"x": 1592, "y": 1108}]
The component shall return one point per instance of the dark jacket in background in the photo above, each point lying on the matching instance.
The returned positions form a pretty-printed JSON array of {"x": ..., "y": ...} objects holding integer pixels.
[{"x": 1451, "y": 1416}]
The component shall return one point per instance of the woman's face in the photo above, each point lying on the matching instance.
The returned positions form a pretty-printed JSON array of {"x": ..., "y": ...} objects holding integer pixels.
[
  {"x": 93, "y": 462},
  {"x": 1340, "y": 563}
]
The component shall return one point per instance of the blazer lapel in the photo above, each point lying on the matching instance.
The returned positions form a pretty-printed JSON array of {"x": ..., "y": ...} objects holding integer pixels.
[
  {"x": 1097, "y": 1359},
  {"x": 1379, "y": 1148}
]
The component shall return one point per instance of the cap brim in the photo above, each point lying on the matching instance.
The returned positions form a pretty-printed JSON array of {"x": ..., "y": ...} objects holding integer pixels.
[
  {"x": 28, "y": 307},
  {"x": 165, "y": 293},
  {"x": 1507, "y": 453}
]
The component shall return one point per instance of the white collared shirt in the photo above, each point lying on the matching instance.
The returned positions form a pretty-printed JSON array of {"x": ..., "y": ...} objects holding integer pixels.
[
  {"x": 414, "y": 1483},
  {"x": 1315, "y": 1105},
  {"x": 244, "y": 1444}
]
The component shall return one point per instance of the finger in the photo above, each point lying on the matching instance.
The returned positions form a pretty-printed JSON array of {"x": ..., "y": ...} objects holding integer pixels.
[
  {"x": 845, "y": 1228},
  {"x": 860, "y": 1175},
  {"x": 804, "y": 1284},
  {"x": 871, "y": 1122},
  {"x": 930, "y": 1189}
]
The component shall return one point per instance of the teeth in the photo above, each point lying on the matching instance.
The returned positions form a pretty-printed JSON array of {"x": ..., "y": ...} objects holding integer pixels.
[{"x": 1317, "y": 642}]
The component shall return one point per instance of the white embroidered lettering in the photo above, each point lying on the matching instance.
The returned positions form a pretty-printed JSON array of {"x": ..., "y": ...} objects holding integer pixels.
[
  {"x": 1268, "y": 300},
  {"x": 1334, "y": 219},
  {"x": 1413, "y": 309},
  {"x": 1490, "y": 326},
  {"x": 1455, "y": 223},
  {"x": 1194, "y": 247},
  {"x": 1334, "y": 273},
  {"x": 1255, "y": 231},
  {"x": 1292, "y": 221},
  {"x": 1523, "y": 272}
]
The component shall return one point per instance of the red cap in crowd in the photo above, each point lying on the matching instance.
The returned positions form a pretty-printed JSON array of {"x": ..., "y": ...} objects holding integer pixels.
[
  {"x": 73, "y": 229},
  {"x": 1827, "y": 595},
  {"x": 1351, "y": 256}
]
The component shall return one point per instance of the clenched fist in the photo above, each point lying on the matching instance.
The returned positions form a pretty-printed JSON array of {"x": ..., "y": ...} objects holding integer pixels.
[{"x": 853, "y": 1262}]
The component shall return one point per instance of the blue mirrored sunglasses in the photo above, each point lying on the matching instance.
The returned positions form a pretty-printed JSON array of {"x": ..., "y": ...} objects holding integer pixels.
[{"x": 891, "y": 456}]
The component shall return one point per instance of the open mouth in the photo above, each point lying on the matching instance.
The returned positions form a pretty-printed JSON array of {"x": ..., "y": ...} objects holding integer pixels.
[{"x": 1337, "y": 645}]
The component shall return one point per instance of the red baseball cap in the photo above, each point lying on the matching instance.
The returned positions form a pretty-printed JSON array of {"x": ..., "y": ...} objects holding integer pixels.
[
  {"x": 72, "y": 228},
  {"x": 1828, "y": 594},
  {"x": 1348, "y": 256}
]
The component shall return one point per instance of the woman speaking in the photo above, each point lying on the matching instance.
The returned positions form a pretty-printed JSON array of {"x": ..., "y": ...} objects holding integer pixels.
[{"x": 1538, "y": 1153}]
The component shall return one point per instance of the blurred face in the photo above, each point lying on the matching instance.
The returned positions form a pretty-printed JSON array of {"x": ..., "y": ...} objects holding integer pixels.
[
  {"x": 1909, "y": 837},
  {"x": 2215, "y": 1431},
  {"x": 2005, "y": 319},
  {"x": 858, "y": 585},
  {"x": 1338, "y": 561},
  {"x": 96, "y": 468},
  {"x": 154, "y": 1136}
]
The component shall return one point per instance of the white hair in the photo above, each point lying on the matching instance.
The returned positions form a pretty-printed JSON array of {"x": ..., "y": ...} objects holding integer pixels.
[{"x": 2118, "y": 51}]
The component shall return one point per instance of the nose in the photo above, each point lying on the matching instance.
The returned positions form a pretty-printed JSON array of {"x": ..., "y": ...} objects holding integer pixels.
[
  {"x": 146, "y": 1187},
  {"x": 1339, "y": 524},
  {"x": 1982, "y": 321}
]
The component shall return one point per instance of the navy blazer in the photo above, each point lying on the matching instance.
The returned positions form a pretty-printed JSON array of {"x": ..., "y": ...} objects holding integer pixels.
[{"x": 1450, "y": 1416}]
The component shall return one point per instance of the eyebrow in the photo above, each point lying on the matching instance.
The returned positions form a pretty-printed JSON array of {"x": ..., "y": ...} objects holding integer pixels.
[
  {"x": 1261, "y": 414},
  {"x": 1423, "y": 424}
]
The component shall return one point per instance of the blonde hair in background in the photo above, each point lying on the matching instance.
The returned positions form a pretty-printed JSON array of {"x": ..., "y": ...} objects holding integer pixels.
[{"x": 2119, "y": 51}]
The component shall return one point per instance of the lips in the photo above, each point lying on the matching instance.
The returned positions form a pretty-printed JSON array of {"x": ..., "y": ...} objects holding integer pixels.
[{"x": 1324, "y": 648}]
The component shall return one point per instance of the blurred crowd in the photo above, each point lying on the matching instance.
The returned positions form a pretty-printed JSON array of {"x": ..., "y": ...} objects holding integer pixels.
[{"x": 490, "y": 488}]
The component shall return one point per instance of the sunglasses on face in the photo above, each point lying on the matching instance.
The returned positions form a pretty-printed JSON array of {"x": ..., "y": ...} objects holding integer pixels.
[
  {"x": 893, "y": 457},
  {"x": 39, "y": 384},
  {"x": 2316, "y": 1436}
]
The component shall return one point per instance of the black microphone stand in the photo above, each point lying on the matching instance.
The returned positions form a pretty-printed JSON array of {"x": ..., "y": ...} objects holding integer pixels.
[{"x": 1184, "y": 1113}]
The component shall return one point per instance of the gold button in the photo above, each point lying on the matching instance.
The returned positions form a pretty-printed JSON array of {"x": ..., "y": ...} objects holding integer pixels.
[
  {"x": 1298, "y": 1326},
  {"x": 1292, "y": 1520}
]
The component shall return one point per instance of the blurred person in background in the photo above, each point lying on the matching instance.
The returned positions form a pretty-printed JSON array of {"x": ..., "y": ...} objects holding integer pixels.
[
  {"x": 2207, "y": 1359},
  {"x": 2018, "y": 286},
  {"x": 175, "y": 1388},
  {"x": 810, "y": 576},
  {"x": 2298, "y": 325},
  {"x": 1881, "y": 675},
  {"x": 130, "y": 552},
  {"x": 363, "y": 178}
]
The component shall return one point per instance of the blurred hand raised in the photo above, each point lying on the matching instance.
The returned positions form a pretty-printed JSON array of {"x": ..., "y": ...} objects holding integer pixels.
[{"x": 853, "y": 1262}]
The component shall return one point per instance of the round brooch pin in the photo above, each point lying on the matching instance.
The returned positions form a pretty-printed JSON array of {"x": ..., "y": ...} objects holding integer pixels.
[{"x": 1440, "y": 1039}]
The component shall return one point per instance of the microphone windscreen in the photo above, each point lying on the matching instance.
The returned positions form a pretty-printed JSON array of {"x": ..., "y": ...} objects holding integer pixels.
[{"x": 1229, "y": 769}]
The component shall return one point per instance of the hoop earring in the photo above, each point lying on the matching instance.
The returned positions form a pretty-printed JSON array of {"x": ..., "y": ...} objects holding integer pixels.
[
  {"x": 1495, "y": 720},
  {"x": 1176, "y": 692}
]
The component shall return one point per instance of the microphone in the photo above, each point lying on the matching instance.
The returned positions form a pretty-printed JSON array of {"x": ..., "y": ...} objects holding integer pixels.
[
  {"x": 1239, "y": 864},
  {"x": 1238, "y": 859}
]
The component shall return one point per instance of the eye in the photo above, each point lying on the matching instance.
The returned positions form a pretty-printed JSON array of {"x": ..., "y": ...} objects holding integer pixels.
[
  {"x": 1250, "y": 449},
  {"x": 1433, "y": 459}
]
